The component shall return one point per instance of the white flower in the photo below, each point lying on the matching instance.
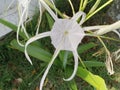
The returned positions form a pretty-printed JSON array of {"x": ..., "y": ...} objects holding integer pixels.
[{"x": 66, "y": 34}]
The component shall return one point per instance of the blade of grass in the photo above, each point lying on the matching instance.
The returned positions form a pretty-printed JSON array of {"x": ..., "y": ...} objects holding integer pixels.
[
  {"x": 93, "y": 63},
  {"x": 97, "y": 10},
  {"x": 84, "y": 5},
  {"x": 94, "y": 7}
]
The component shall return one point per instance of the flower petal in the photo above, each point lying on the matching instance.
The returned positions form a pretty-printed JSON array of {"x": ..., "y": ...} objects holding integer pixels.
[
  {"x": 109, "y": 28},
  {"x": 40, "y": 17},
  {"x": 116, "y": 54},
  {"x": 49, "y": 10},
  {"x": 75, "y": 66},
  {"x": 117, "y": 32},
  {"x": 48, "y": 68},
  {"x": 109, "y": 64},
  {"x": 39, "y": 36},
  {"x": 23, "y": 11},
  {"x": 78, "y": 15},
  {"x": 93, "y": 27},
  {"x": 68, "y": 32}
]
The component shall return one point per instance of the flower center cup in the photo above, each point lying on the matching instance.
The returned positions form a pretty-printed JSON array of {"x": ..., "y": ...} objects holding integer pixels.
[{"x": 66, "y": 34}]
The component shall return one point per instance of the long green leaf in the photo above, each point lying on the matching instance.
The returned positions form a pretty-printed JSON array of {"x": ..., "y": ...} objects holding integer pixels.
[
  {"x": 50, "y": 20},
  {"x": 94, "y": 80},
  {"x": 73, "y": 85},
  {"x": 34, "y": 51},
  {"x": 12, "y": 26},
  {"x": 85, "y": 47},
  {"x": 93, "y": 63}
]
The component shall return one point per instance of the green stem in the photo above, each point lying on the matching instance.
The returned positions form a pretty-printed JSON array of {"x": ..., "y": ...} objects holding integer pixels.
[
  {"x": 81, "y": 4},
  {"x": 94, "y": 7},
  {"x": 89, "y": 16},
  {"x": 84, "y": 5}
]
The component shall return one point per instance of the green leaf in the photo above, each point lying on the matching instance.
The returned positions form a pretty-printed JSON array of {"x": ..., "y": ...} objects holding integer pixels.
[
  {"x": 63, "y": 56},
  {"x": 50, "y": 20},
  {"x": 12, "y": 26},
  {"x": 34, "y": 51},
  {"x": 85, "y": 47},
  {"x": 93, "y": 63},
  {"x": 8, "y": 24},
  {"x": 94, "y": 80},
  {"x": 73, "y": 85}
]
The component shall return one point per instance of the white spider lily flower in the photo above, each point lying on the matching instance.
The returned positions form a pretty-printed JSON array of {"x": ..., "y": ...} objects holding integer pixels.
[{"x": 66, "y": 34}]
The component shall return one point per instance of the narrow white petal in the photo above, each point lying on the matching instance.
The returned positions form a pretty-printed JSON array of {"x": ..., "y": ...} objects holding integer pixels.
[
  {"x": 75, "y": 67},
  {"x": 94, "y": 27},
  {"x": 39, "y": 36},
  {"x": 109, "y": 65},
  {"x": 72, "y": 7},
  {"x": 49, "y": 10},
  {"x": 109, "y": 28},
  {"x": 116, "y": 54},
  {"x": 18, "y": 29},
  {"x": 40, "y": 17},
  {"x": 117, "y": 32},
  {"x": 17, "y": 36},
  {"x": 78, "y": 15},
  {"x": 48, "y": 68},
  {"x": 118, "y": 51},
  {"x": 117, "y": 57}
]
